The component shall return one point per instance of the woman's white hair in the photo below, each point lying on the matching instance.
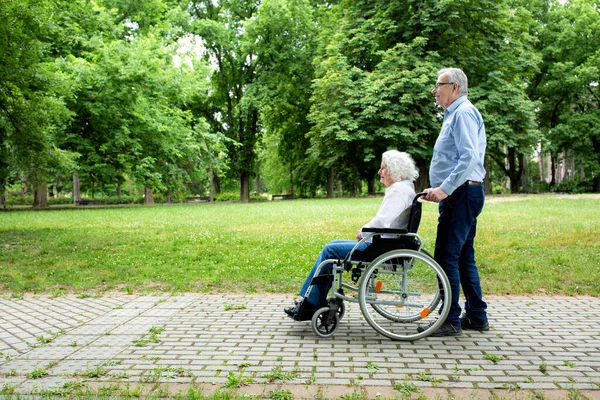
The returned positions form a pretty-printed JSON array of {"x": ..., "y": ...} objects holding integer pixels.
[{"x": 400, "y": 166}]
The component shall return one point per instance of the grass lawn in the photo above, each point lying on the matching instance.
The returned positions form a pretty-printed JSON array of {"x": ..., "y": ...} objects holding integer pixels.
[{"x": 544, "y": 244}]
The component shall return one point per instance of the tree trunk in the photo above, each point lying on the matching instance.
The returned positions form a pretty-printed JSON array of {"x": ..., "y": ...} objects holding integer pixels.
[
  {"x": 119, "y": 189},
  {"x": 353, "y": 188},
  {"x": 291, "y": 177},
  {"x": 211, "y": 190},
  {"x": 525, "y": 176},
  {"x": 553, "y": 168},
  {"x": 330, "y": 181},
  {"x": 515, "y": 169},
  {"x": 40, "y": 196},
  {"x": 217, "y": 184},
  {"x": 422, "y": 181},
  {"x": 245, "y": 187},
  {"x": 76, "y": 189},
  {"x": 2, "y": 195},
  {"x": 339, "y": 188},
  {"x": 25, "y": 186},
  {"x": 371, "y": 185},
  {"x": 487, "y": 185},
  {"x": 148, "y": 196}
]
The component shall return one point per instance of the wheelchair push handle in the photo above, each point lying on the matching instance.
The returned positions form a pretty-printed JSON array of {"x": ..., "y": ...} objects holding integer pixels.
[{"x": 418, "y": 196}]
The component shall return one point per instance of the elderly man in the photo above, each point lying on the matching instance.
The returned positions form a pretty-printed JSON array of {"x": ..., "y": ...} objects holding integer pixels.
[{"x": 456, "y": 175}]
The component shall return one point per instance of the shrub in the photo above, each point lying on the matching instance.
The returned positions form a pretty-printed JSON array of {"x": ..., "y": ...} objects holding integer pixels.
[
  {"x": 578, "y": 185},
  {"x": 228, "y": 196}
]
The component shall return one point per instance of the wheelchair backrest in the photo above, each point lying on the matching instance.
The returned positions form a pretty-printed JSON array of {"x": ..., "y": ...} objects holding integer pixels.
[{"x": 414, "y": 219}]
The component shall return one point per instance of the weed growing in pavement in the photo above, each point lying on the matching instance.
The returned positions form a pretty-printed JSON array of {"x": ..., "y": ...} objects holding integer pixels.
[
  {"x": 156, "y": 374},
  {"x": 236, "y": 381},
  {"x": 136, "y": 392},
  {"x": 280, "y": 394},
  {"x": 6, "y": 356},
  {"x": 73, "y": 389},
  {"x": 108, "y": 391},
  {"x": 357, "y": 394},
  {"x": 162, "y": 392},
  {"x": 150, "y": 337},
  {"x": 96, "y": 372},
  {"x": 12, "y": 372},
  {"x": 230, "y": 307},
  {"x": 371, "y": 368},
  {"x": 406, "y": 389},
  {"x": 568, "y": 363},
  {"x": 277, "y": 373},
  {"x": 427, "y": 376},
  {"x": 574, "y": 394},
  {"x": 112, "y": 363},
  {"x": 44, "y": 340},
  {"x": 8, "y": 389},
  {"x": 37, "y": 373},
  {"x": 492, "y": 357},
  {"x": 543, "y": 367}
]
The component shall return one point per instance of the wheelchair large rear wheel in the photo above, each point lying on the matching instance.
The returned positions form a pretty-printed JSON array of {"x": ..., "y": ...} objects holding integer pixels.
[{"x": 401, "y": 291}]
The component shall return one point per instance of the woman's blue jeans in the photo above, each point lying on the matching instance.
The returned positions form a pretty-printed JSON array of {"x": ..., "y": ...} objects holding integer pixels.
[
  {"x": 337, "y": 249},
  {"x": 454, "y": 251}
]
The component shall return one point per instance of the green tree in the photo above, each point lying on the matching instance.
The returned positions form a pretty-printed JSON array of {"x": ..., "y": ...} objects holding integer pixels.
[
  {"x": 220, "y": 25},
  {"x": 282, "y": 40},
  {"x": 32, "y": 110},
  {"x": 377, "y": 64},
  {"x": 567, "y": 84}
]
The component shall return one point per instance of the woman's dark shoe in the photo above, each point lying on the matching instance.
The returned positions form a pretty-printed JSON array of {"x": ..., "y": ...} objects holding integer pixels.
[{"x": 302, "y": 311}]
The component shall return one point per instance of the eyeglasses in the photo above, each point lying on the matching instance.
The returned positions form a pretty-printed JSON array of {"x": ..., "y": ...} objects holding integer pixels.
[{"x": 438, "y": 84}]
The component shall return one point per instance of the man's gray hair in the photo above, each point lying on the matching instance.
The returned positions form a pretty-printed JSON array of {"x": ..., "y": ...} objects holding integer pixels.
[
  {"x": 456, "y": 75},
  {"x": 400, "y": 165}
]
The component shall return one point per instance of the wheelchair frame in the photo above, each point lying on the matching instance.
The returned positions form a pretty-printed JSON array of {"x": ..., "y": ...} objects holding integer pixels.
[{"x": 398, "y": 289}]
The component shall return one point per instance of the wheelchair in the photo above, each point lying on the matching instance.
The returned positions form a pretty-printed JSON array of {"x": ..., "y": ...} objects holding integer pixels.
[{"x": 402, "y": 291}]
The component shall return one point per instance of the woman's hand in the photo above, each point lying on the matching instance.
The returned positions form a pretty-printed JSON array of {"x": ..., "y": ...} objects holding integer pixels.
[{"x": 359, "y": 235}]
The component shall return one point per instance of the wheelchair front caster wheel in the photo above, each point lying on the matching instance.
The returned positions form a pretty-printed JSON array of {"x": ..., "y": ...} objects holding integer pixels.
[
  {"x": 341, "y": 311},
  {"x": 323, "y": 324}
]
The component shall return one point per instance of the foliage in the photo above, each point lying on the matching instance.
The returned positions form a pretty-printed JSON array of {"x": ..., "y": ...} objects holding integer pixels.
[
  {"x": 182, "y": 96},
  {"x": 32, "y": 89},
  {"x": 567, "y": 83}
]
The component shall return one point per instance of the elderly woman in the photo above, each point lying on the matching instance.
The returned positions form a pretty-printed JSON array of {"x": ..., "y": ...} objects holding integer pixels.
[{"x": 398, "y": 172}]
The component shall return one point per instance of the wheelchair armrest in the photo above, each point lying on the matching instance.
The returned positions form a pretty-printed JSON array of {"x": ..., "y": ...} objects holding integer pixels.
[{"x": 386, "y": 231}]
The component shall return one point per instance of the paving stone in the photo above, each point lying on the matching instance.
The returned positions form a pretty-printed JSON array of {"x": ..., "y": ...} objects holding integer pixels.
[{"x": 209, "y": 341}]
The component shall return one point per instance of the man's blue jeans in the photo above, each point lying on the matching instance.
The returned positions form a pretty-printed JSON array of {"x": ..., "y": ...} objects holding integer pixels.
[
  {"x": 457, "y": 226},
  {"x": 337, "y": 249}
]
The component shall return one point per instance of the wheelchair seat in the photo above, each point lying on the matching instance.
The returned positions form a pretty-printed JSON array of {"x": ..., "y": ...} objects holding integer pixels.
[{"x": 388, "y": 239}]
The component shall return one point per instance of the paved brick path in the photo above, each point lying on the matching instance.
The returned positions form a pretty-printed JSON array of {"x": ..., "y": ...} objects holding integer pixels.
[{"x": 549, "y": 348}]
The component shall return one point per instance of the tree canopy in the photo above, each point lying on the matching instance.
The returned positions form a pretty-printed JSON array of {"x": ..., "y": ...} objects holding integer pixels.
[{"x": 176, "y": 96}]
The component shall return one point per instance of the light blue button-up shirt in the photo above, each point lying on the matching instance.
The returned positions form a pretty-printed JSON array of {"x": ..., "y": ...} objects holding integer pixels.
[{"x": 460, "y": 148}]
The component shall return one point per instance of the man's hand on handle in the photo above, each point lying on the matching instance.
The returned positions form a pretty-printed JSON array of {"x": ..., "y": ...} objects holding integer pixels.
[{"x": 434, "y": 194}]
